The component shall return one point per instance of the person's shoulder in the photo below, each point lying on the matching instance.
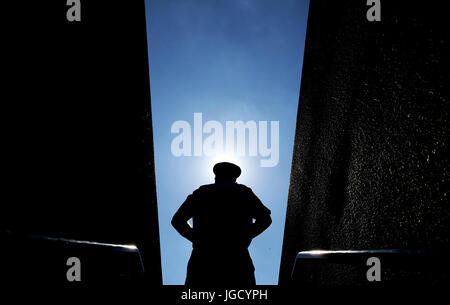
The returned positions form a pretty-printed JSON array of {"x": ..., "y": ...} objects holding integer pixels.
[
  {"x": 203, "y": 188},
  {"x": 243, "y": 187},
  {"x": 206, "y": 186}
]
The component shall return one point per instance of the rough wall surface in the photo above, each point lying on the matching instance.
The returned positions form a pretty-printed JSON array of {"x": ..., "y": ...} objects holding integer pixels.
[
  {"x": 371, "y": 165},
  {"x": 77, "y": 131}
]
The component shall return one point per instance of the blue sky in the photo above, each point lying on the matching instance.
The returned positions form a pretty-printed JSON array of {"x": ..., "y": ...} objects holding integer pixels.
[{"x": 230, "y": 60}]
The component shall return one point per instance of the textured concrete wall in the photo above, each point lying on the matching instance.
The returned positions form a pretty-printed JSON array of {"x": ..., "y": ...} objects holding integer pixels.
[
  {"x": 77, "y": 133},
  {"x": 371, "y": 165}
]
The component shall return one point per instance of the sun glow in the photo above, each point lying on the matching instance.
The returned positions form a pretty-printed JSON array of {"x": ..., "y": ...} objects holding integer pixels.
[{"x": 225, "y": 157}]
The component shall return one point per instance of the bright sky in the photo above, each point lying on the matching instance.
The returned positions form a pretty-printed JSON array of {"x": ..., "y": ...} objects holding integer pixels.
[{"x": 229, "y": 60}]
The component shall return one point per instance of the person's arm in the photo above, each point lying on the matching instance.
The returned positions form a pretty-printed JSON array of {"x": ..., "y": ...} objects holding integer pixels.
[
  {"x": 260, "y": 225},
  {"x": 180, "y": 220},
  {"x": 261, "y": 216}
]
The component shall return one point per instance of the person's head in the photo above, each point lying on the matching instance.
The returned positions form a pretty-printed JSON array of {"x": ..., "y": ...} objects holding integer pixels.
[{"x": 226, "y": 172}]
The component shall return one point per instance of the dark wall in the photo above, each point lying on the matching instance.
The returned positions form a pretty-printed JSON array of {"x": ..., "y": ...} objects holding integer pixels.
[
  {"x": 371, "y": 164},
  {"x": 77, "y": 131}
]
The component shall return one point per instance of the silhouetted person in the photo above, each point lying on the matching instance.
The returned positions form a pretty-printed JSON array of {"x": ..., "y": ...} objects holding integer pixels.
[{"x": 226, "y": 217}]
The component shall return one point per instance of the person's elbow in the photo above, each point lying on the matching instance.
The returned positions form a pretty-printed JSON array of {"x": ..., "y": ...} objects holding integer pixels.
[
  {"x": 179, "y": 222},
  {"x": 268, "y": 221},
  {"x": 175, "y": 222},
  {"x": 264, "y": 221}
]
